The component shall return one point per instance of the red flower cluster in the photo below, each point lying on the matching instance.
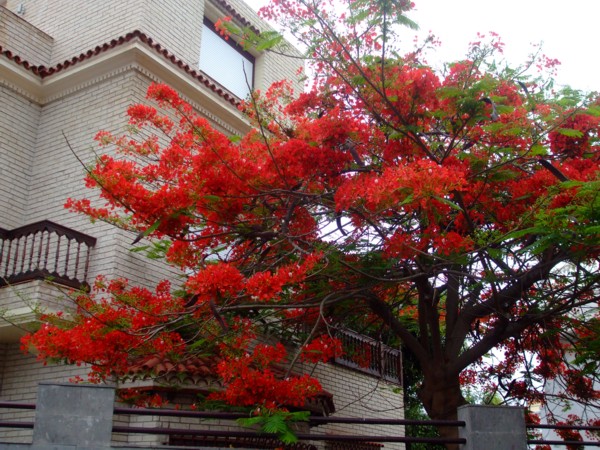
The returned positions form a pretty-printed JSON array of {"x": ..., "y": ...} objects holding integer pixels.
[
  {"x": 322, "y": 349},
  {"x": 250, "y": 381}
]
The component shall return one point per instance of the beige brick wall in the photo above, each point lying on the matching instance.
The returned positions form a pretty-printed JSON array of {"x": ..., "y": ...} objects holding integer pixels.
[
  {"x": 177, "y": 26},
  {"x": 80, "y": 25},
  {"x": 360, "y": 396},
  {"x": 18, "y": 125},
  {"x": 21, "y": 304},
  {"x": 23, "y": 39}
]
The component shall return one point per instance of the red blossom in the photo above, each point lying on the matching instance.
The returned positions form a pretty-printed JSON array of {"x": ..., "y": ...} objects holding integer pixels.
[{"x": 322, "y": 349}]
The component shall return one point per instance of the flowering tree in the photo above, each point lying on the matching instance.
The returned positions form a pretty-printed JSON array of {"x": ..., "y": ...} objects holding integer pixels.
[{"x": 455, "y": 211}]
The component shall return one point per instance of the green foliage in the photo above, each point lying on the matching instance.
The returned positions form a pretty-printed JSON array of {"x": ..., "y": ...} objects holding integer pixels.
[
  {"x": 157, "y": 249},
  {"x": 276, "y": 422},
  {"x": 268, "y": 40},
  {"x": 570, "y": 132},
  {"x": 588, "y": 349}
]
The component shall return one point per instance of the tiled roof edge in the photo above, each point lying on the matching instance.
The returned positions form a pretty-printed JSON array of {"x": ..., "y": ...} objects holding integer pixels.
[{"x": 236, "y": 15}]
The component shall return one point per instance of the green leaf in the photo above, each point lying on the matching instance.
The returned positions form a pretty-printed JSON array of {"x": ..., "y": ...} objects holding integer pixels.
[
  {"x": 300, "y": 416},
  {"x": 360, "y": 16},
  {"x": 405, "y": 21},
  {"x": 450, "y": 203},
  {"x": 449, "y": 92},
  {"x": 593, "y": 110},
  {"x": 250, "y": 421},
  {"x": 268, "y": 40},
  {"x": 569, "y": 132},
  {"x": 494, "y": 126},
  {"x": 495, "y": 252},
  {"x": 141, "y": 248},
  {"x": 524, "y": 232},
  {"x": 152, "y": 228},
  {"x": 538, "y": 150},
  {"x": 503, "y": 175},
  {"x": 277, "y": 422},
  {"x": 287, "y": 437},
  {"x": 590, "y": 231},
  {"x": 159, "y": 249},
  {"x": 275, "y": 425}
]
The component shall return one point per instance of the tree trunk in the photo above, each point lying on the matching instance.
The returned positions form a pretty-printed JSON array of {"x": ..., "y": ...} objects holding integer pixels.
[{"x": 441, "y": 397}]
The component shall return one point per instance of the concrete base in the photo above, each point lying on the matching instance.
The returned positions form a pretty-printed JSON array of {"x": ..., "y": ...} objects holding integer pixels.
[
  {"x": 493, "y": 427},
  {"x": 71, "y": 415}
]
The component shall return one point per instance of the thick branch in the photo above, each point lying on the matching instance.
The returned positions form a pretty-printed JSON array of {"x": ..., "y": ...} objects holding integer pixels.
[
  {"x": 500, "y": 304},
  {"x": 382, "y": 309}
]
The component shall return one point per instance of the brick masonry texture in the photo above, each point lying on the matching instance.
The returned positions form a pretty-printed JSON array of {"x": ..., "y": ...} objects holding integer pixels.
[
  {"x": 22, "y": 38},
  {"x": 17, "y": 145}
]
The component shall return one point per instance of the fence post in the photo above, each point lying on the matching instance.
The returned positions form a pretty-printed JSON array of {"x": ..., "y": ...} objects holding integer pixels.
[
  {"x": 73, "y": 415},
  {"x": 493, "y": 427}
]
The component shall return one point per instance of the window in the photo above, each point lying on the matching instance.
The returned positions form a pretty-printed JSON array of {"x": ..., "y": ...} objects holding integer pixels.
[{"x": 226, "y": 62}]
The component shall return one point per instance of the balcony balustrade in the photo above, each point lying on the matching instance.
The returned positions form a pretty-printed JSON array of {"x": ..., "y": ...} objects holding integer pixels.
[
  {"x": 47, "y": 251},
  {"x": 370, "y": 356}
]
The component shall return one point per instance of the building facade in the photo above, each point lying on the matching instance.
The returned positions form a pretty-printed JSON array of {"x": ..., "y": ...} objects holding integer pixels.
[{"x": 67, "y": 70}]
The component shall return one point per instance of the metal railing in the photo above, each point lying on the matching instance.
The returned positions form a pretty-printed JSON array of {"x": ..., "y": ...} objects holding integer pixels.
[
  {"x": 554, "y": 442},
  {"x": 368, "y": 355},
  {"x": 45, "y": 250},
  {"x": 220, "y": 435},
  {"x": 260, "y": 440},
  {"x": 19, "y": 425}
]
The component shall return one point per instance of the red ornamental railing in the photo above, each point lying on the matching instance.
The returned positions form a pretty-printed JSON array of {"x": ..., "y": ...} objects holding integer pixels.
[
  {"x": 45, "y": 250},
  {"x": 368, "y": 355}
]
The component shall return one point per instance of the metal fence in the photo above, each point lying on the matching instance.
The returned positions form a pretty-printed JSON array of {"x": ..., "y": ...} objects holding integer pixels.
[
  {"x": 572, "y": 443},
  {"x": 214, "y": 438}
]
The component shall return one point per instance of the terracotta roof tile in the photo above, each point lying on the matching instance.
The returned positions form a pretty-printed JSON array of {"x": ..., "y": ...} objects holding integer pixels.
[
  {"x": 236, "y": 15},
  {"x": 194, "y": 369},
  {"x": 201, "y": 370},
  {"x": 43, "y": 71}
]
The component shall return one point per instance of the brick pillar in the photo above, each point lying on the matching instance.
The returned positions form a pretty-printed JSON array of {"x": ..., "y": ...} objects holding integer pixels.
[
  {"x": 493, "y": 427},
  {"x": 73, "y": 415}
]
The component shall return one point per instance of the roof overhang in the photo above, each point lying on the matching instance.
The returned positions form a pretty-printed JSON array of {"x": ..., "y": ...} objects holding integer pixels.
[{"x": 43, "y": 85}]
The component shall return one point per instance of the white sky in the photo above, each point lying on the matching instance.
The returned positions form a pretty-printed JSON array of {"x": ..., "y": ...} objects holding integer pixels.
[{"x": 569, "y": 30}]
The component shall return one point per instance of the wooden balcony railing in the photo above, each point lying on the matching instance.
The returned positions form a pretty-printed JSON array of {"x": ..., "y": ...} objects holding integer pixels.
[
  {"x": 45, "y": 250},
  {"x": 369, "y": 355}
]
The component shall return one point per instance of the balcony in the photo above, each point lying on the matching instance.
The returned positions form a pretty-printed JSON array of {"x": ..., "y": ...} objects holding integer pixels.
[
  {"x": 45, "y": 251},
  {"x": 34, "y": 259},
  {"x": 370, "y": 356}
]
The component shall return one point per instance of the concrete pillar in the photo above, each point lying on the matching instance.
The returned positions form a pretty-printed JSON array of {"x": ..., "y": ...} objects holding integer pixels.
[
  {"x": 73, "y": 415},
  {"x": 493, "y": 427}
]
